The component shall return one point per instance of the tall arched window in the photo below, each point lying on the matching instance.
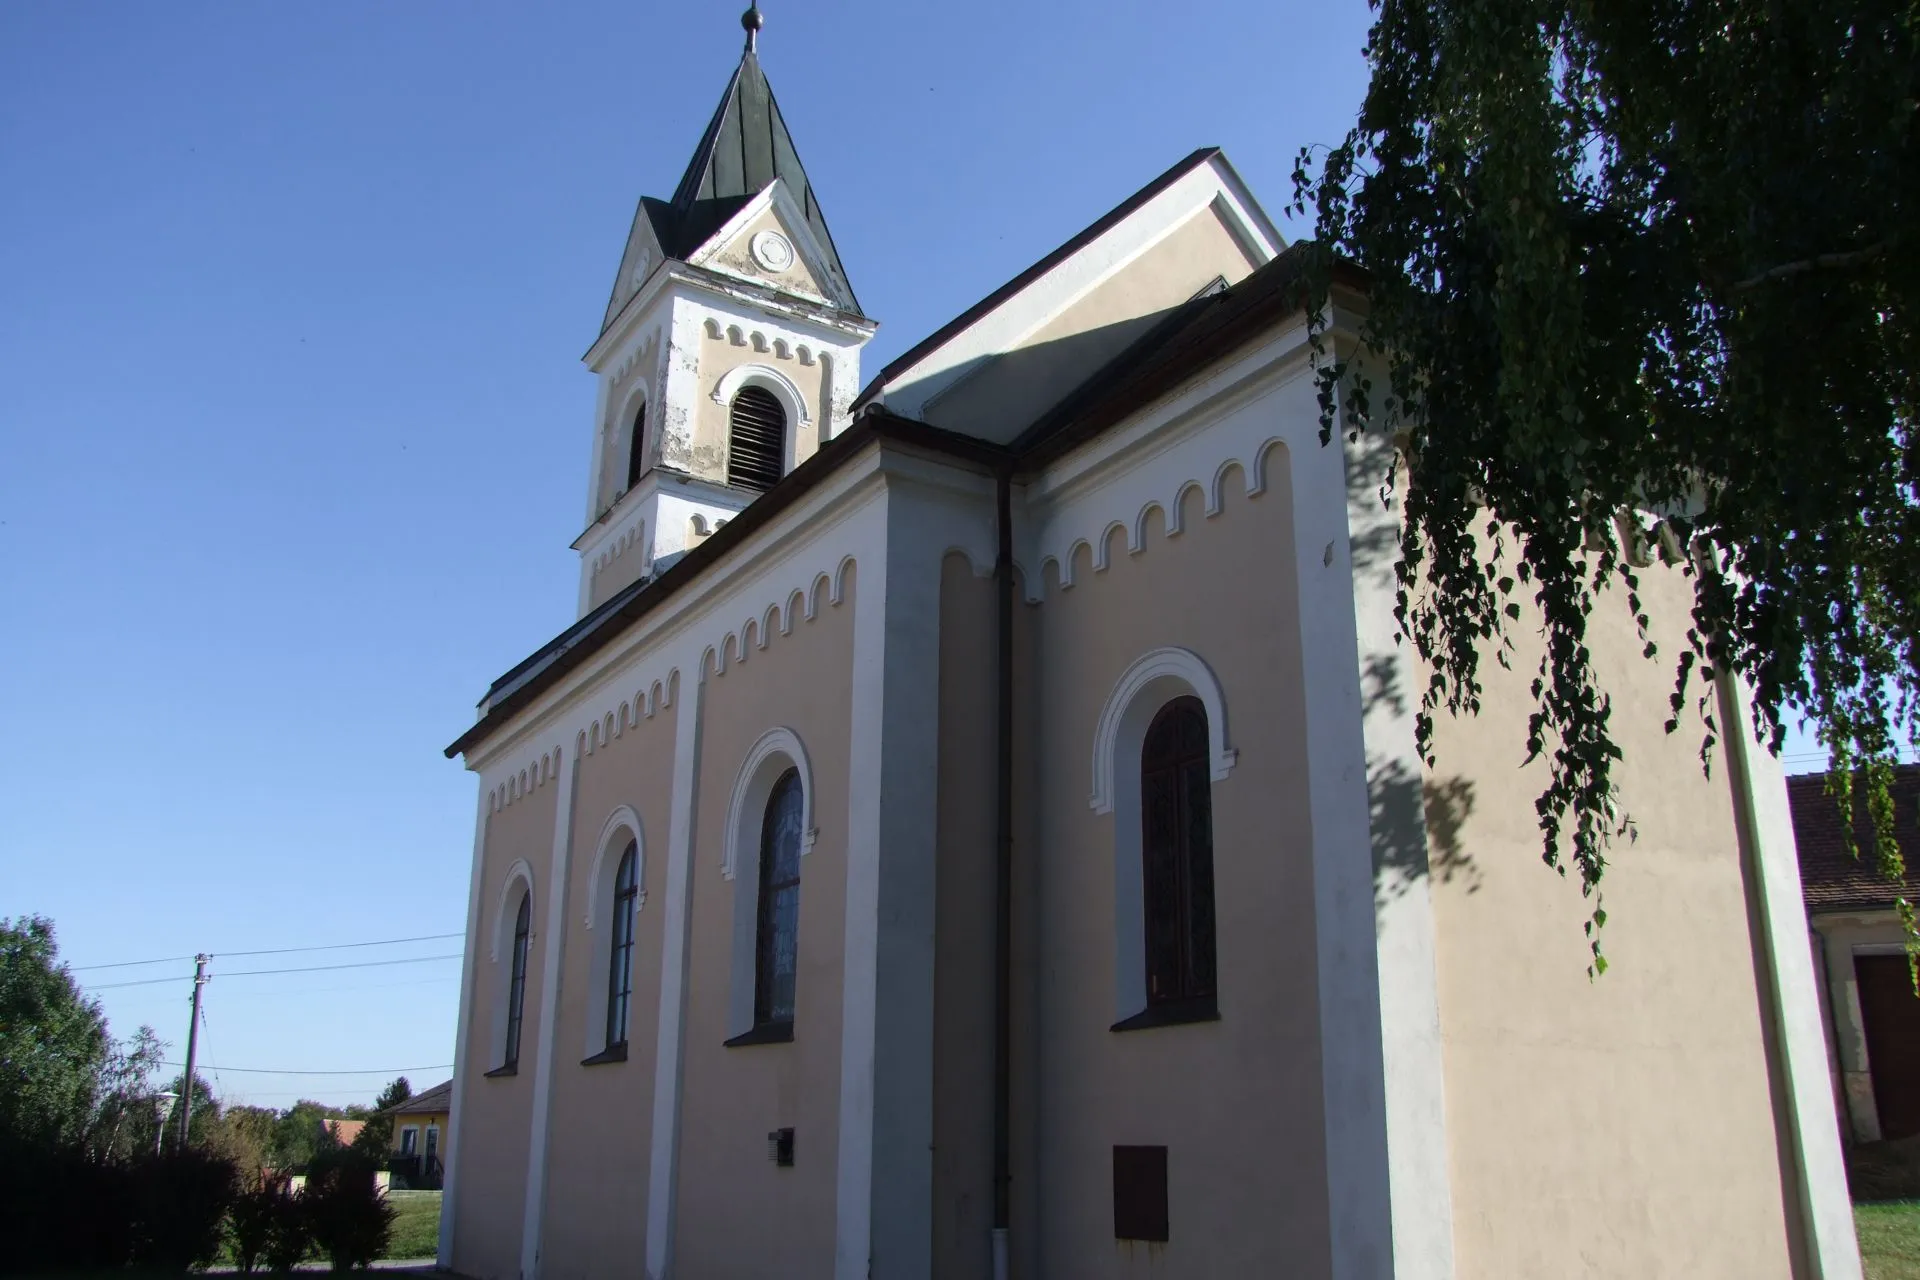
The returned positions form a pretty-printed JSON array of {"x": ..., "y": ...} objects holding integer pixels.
[
  {"x": 637, "y": 446},
  {"x": 1176, "y": 819},
  {"x": 626, "y": 892},
  {"x": 517, "y": 981},
  {"x": 756, "y": 439},
  {"x": 777, "y": 927}
]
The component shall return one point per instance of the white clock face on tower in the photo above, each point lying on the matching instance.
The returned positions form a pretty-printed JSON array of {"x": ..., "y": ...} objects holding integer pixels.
[{"x": 772, "y": 251}]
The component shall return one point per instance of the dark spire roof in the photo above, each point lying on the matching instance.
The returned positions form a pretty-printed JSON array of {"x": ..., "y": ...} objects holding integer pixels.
[{"x": 746, "y": 146}]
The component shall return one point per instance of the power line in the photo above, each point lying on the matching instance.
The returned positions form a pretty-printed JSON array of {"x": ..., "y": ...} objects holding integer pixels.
[
  {"x": 289, "y": 1071},
  {"x": 322, "y": 991},
  {"x": 346, "y": 946},
  {"x": 130, "y": 964},
  {"x": 329, "y": 968},
  {"x": 276, "y": 951},
  {"x": 312, "y": 968},
  {"x": 144, "y": 982}
]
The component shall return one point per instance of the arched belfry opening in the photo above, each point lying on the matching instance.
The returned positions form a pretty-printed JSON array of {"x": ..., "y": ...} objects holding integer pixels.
[
  {"x": 756, "y": 439},
  {"x": 636, "y": 445}
]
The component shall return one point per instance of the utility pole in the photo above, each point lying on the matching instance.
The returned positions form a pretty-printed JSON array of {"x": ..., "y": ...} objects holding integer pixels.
[{"x": 193, "y": 1045}]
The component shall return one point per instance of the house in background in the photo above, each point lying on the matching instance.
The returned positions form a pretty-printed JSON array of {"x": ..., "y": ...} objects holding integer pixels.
[
  {"x": 419, "y": 1137},
  {"x": 342, "y": 1131},
  {"x": 1867, "y": 997}
]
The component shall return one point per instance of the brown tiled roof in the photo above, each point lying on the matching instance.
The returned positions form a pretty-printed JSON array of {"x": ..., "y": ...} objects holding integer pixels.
[
  {"x": 438, "y": 1098},
  {"x": 1832, "y": 880}
]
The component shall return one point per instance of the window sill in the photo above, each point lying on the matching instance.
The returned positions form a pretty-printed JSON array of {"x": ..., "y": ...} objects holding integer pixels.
[
  {"x": 1170, "y": 1015},
  {"x": 612, "y": 1053},
  {"x": 510, "y": 1069},
  {"x": 766, "y": 1033}
]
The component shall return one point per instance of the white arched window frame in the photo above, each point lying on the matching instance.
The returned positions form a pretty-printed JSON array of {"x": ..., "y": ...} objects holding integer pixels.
[
  {"x": 517, "y": 886},
  {"x": 1154, "y": 680},
  {"x": 783, "y": 389},
  {"x": 777, "y": 751},
  {"x": 623, "y": 826}
]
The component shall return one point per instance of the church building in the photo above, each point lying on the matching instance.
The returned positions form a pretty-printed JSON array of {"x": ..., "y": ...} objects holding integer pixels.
[{"x": 974, "y": 827}]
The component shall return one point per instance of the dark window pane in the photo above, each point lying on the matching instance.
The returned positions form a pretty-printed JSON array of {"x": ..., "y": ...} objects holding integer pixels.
[
  {"x": 517, "y": 980},
  {"x": 1176, "y": 828},
  {"x": 626, "y": 892},
  {"x": 777, "y": 927}
]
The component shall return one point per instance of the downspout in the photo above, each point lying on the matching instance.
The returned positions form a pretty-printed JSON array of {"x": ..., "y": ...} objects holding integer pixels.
[{"x": 1003, "y": 886}]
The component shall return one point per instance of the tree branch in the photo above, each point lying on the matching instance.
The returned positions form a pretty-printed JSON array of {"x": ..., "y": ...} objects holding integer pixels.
[{"x": 1819, "y": 262}]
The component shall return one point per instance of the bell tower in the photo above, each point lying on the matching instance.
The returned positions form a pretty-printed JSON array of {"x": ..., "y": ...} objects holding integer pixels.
[{"x": 730, "y": 349}]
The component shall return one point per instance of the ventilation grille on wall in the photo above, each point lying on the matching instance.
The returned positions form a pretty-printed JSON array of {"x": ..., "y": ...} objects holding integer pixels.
[
  {"x": 756, "y": 440},
  {"x": 1140, "y": 1193}
]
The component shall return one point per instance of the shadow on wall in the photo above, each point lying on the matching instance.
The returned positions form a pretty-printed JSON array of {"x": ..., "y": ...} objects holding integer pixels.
[{"x": 1416, "y": 820}]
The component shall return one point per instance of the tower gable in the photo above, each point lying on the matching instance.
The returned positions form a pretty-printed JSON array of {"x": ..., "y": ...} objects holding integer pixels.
[{"x": 769, "y": 242}]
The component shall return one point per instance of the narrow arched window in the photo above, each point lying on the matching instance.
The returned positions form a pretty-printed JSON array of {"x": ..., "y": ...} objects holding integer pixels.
[
  {"x": 756, "y": 439},
  {"x": 777, "y": 928},
  {"x": 637, "y": 446},
  {"x": 626, "y": 893},
  {"x": 517, "y": 981},
  {"x": 1176, "y": 818}
]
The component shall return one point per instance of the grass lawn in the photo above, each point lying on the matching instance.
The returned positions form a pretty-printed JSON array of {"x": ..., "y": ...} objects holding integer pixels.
[
  {"x": 1890, "y": 1239},
  {"x": 416, "y": 1224}
]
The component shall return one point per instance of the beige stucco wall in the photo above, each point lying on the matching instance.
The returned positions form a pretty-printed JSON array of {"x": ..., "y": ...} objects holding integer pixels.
[
  {"x": 1237, "y": 1102},
  {"x": 738, "y": 1214},
  {"x": 602, "y": 1115},
  {"x": 720, "y": 356},
  {"x": 496, "y": 1114},
  {"x": 1024, "y": 382},
  {"x": 1624, "y": 1127},
  {"x": 964, "y": 894}
]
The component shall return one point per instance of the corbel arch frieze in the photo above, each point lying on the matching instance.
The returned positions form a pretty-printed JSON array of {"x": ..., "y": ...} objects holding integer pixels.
[
  {"x": 522, "y": 778},
  {"x": 1089, "y": 522}
]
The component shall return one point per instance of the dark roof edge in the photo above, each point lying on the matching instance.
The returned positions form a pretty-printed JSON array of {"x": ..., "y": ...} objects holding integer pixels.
[
  {"x": 946, "y": 332},
  {"x": 574, "y": 645}
]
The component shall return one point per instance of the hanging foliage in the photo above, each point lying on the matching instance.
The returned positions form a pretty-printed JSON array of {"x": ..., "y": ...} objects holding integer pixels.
[{"x": 1644, "y": 275}]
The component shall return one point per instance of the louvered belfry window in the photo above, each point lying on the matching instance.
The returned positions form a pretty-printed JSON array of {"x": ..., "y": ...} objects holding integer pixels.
[
  {"x": 756, "y": 439},
  {"x": 1176, "y": 810}
]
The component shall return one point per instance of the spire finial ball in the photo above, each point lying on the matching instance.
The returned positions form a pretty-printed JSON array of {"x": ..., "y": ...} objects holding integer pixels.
[{"x": 751, "y": 21}]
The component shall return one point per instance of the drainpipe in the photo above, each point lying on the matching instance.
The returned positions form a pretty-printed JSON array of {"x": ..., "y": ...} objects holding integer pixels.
[{"x": 1003, "y": 886}]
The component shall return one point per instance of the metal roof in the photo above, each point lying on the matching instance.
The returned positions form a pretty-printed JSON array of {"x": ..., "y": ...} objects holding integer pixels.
[{"x": 746, "y": 146}]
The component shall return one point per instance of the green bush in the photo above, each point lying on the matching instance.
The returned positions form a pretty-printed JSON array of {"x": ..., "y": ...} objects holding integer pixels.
[
  {"x": 264, "y": 1214},
  {"x": 350, "y": 1220},
  {"x": 180, "y": 1201},
  {"x": 289, "y": 1234}
]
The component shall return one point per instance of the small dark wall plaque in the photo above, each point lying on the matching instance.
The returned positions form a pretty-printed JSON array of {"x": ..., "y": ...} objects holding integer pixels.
[
  {"x": 1140, "y": 1193},
  {"x": 780, "y": 1147}
]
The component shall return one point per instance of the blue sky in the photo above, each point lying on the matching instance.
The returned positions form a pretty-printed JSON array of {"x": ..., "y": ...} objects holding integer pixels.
[{"x": 295, "y": 430}]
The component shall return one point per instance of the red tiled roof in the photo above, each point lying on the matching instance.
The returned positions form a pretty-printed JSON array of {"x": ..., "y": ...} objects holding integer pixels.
[{"x": 1830, "y": 879}]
